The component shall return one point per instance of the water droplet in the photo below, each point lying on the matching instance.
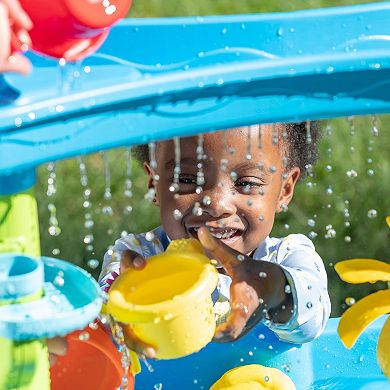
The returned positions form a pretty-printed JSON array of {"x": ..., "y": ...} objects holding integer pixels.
[
  {"x": 261, "y": 217},
  {"x": 59, "y": 280},
  {"x": 280, "y": 31},
  {"x": 54, "y": 230},
  {"x": 224, "y": 31},
  {"x": 330, "y": 232},
  {"x": 240, "y": 257},
  {"x": 93, "y": 263},
  {"x": 149, "y": 236},
  {"x": 168, "y": 316},
  {"x": 261, "y": 336},
  {"x": 312, "y": 235},
  {"x": 55, "y": 251},
  {"x": 206, "y": 200},
  {"x": 286, "y": 226},
  {"x": 59, "y": 108},
  {"x": 272, "y": 169},
  {"x": 372, "y": 213},
  {"x": 88, "y": 224},
  {"x": 329, "y": 191},
  {"x": 350, "y": 301},
  {"x": 352, "y": 173},
  {"x": 262, "y": 274},
  {"x": 347, "y": 239},
  {"x": 370, "y": 172},
  {"x": 197, "y": 209},
  {"x": 107, "y": 210},
  {"x": 311, "y": 222},
  {"x": 287, "y": 289},
  {"x": 18, "y": 121},
  {"x": 177, "y": 215},
  {"x": 266, "y": 378},
  {"x": 88, "y": 239},
  {"x": 84, "y": 336}
]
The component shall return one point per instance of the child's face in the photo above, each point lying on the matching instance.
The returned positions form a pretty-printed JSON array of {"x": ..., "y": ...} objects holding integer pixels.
[{"x": 238, "y": 208}]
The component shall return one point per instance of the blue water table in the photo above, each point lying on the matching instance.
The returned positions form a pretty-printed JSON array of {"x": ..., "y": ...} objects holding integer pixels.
[{"x": 156, "y": 79}]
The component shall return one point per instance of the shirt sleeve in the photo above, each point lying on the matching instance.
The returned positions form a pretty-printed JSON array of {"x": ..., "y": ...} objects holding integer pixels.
[{"x": 307, "y": 280}]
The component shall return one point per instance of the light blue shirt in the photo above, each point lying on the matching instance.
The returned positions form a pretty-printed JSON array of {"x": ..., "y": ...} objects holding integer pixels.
[{"x": 296, "y": 255}]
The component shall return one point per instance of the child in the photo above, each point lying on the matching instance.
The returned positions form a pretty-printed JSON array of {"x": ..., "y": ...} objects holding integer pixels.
[{"x": 230, "y": 189}]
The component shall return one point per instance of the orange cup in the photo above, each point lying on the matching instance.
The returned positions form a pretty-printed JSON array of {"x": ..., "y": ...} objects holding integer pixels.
[{"x": 91, "y": 362}]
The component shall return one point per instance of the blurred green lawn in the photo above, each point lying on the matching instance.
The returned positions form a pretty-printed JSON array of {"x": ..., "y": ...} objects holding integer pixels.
[{"x": 369, "y": 236}]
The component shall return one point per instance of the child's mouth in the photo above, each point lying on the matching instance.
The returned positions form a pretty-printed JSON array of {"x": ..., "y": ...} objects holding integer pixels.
[{"x": 226, "y": 235}]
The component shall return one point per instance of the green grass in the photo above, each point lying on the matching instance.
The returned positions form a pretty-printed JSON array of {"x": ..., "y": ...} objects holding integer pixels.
[{"x": 159, "y": 8}]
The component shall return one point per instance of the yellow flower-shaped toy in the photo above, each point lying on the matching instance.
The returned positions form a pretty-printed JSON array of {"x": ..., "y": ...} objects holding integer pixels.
[{"x": 368, "y": 309}]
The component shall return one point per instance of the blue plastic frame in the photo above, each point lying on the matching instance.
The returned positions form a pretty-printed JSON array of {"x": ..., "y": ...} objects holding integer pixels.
[
  {"x": 321, "y": 364},
  {"x": 202, "y": 74}
]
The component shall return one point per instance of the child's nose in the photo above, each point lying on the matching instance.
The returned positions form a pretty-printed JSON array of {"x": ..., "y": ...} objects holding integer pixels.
[{"x": 218, "y": 203}]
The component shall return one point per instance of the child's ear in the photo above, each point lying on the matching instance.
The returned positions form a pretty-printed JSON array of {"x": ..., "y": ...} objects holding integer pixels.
[
  {"x": 151, "y": 184},
  {"x": 287, "y": 191}
]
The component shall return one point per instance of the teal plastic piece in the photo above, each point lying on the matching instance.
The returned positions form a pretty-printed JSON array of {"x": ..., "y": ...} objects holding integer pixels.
[
  {"x": 71, "y": 298},
  {"x": 19, "y": 276},
  {"x": 17, "y": 181},
  {"x": 159, "y": 78},
  {"x": 321, "y": 364}
]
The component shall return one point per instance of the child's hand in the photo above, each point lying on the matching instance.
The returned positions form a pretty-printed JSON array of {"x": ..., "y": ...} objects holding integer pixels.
[
  {"x": 14, "y": 26},
  {"x": 130, "y": 259},
  {"x": 257, "y": 289},
  {"x": 57, "y": 346}
]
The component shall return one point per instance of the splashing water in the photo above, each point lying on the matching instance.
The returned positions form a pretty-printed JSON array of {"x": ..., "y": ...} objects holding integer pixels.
[
  {"x": 107, "y": 208},
  {"x": 54, "y": 229},
  {"x": 87, "y": 205},
  {"x": 248, "y": 144},
  {"x": 200, "y": 157},
  {"x": 128, "y": 182},
  {"x": 119, "y": 339},
  {"x": 176, "y": 170}
]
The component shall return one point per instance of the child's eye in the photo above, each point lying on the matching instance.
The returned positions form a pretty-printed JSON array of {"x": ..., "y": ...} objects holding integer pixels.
[
  {"x": 187, "y": 179},
  {"x": 248, "y": 185}
]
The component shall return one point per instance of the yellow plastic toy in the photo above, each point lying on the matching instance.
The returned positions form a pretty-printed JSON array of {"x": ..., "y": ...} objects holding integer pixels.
[
  {"x": 368, "y": 309},
  {"x": 168, "y": 304},
  {"x": 254, "y": 377}
]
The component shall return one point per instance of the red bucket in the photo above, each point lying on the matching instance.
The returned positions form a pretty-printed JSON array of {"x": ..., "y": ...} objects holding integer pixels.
[
  {"x": 72, "y": 29},
  {"x": 91, "y": 362}
]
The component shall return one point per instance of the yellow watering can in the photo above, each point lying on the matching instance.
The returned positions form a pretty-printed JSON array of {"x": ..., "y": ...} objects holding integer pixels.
[{"x": 168, "y": 304}]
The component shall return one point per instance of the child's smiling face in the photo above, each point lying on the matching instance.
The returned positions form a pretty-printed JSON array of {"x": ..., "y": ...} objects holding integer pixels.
[{"x": 242, "y": 206}]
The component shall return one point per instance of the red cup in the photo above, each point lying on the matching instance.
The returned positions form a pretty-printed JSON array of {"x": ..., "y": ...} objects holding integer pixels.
[
  {"x": 91, "y": 362},
  {"x": 72, "y": 29}
]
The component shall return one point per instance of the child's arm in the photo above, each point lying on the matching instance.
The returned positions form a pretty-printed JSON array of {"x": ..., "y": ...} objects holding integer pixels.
[
  {"x": 291, "y": 295},
  {"x": 257, "y": 289}
]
